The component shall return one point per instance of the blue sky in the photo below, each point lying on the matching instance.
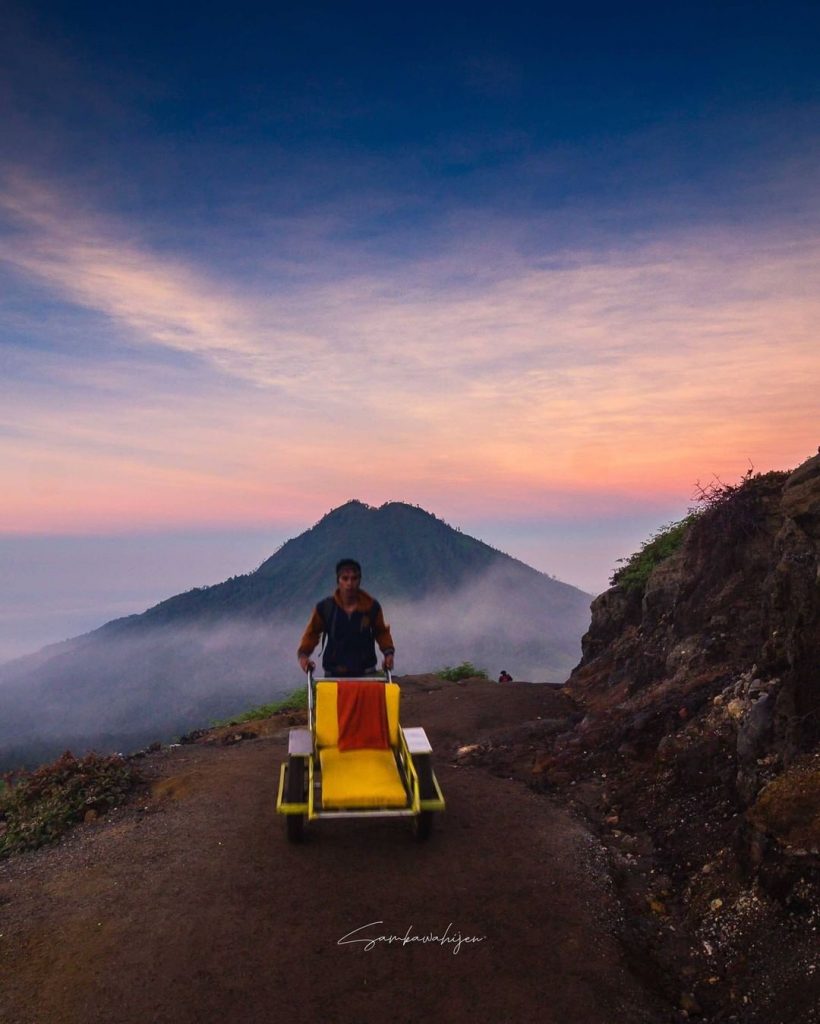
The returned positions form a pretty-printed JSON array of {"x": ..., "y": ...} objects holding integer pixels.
[{"x": 540, "y": 269}]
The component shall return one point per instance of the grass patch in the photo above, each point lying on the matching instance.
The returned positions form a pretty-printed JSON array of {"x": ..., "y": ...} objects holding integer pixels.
[
  {"x": 294, "y": 701},
  {"x": 636, "y": 570},
  {"x": 466, "y": 670},
  {"x": 37, "y": 807},
  {"x": 731, "y": 512}
]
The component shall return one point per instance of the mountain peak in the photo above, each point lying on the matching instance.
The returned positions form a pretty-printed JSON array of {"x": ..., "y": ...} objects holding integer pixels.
[
  {"x": 352, "y": 505},
  {"x": 404, "y": 551},
  {"x": 356, "y": 506}
]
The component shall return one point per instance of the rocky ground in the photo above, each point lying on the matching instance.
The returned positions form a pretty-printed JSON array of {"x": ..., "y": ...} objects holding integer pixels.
[
  {"x": 187, "y": 905},
  {"x": 718, "y": 908},
  {"x": 691, "y": 747},
  {"x": 718, "y": 933},
  {"x": 662, "y": 915}
]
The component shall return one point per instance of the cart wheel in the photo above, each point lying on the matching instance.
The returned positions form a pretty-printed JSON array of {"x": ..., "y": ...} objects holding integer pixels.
[
  {"x": 423, "y": 825},
  {"x": 295, "y": 794},
  {"x": 295, "y": 827}
]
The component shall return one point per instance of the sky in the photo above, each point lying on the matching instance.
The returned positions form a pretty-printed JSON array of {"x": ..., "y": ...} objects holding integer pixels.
[{"x": 539, "y": 270}]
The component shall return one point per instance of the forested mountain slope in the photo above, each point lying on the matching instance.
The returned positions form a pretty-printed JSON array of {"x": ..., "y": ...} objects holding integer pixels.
[{"x": 212, "y": 651}]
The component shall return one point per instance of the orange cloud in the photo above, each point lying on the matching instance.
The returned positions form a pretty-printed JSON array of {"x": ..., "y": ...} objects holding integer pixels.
[{"x": 617, "y": 373}]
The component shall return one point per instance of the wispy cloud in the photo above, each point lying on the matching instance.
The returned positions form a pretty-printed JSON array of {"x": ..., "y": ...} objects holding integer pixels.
[
  {"x": 605, "y": 372},
  {"x": 159, "y": 300}
]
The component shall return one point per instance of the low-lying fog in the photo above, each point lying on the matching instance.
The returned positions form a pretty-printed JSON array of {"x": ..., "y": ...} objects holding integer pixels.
[{"x": 120, "y": 689}]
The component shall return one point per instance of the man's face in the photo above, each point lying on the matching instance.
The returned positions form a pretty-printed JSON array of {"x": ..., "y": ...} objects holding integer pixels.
[{"x": 349, "y": 581}]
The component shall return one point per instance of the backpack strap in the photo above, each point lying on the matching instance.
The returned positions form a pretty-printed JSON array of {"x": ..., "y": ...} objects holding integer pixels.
[
  {"x": 327, "y": 609},
  {"x": 374, "y": 614}
]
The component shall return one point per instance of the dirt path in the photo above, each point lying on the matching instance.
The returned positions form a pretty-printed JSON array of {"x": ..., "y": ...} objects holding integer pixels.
[{"x": 197, "y": 910}]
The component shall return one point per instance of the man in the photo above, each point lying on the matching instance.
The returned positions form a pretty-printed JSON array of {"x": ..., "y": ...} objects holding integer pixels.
[{"x": 352, "y": 622}]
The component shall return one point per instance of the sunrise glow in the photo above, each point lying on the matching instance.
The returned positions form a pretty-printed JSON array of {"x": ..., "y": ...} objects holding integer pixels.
[{"x": 510, "y": 285}]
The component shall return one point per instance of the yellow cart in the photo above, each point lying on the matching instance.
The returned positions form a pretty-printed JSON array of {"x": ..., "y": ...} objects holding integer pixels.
[{"x": 321, "y": 781}]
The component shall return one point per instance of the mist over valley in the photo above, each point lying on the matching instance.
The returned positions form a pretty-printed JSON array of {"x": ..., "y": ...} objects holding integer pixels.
[{"x": 214, "y": 651}]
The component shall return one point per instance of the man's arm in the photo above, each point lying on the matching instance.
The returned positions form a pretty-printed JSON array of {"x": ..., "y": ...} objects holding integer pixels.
[
  {"x": 384, "y": 639},
  {"x": 310, "y": 638}
]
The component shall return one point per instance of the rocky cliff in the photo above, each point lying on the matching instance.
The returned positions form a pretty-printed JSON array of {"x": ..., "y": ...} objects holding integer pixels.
[
  {"x": 693, "y": 751},
  {"x": 728, "y": 625}
]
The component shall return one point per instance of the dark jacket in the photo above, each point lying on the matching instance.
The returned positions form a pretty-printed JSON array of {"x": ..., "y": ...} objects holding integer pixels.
[{"x": 350, "y": 649}]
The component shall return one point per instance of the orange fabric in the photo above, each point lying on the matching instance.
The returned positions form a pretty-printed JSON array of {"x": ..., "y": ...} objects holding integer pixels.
[{"x": 362, "y": 714}]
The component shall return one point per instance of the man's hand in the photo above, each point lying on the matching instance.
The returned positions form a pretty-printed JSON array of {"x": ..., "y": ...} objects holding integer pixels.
[
  {"x": 388, "y": 662},
  {"x": 306, "y": 663}
]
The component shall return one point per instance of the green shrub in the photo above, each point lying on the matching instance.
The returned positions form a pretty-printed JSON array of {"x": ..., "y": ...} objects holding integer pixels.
[
  {"x": 731, "y": 511},
  {"x": 294, "y": 701},
  {"x": 635, "y": 570},
  {"x": 465, "y": 670},
  {"x": 39, "y": 806}
]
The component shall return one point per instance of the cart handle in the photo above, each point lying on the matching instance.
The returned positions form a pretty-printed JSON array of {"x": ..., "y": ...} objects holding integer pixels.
[{"x": 311, "y": 683}]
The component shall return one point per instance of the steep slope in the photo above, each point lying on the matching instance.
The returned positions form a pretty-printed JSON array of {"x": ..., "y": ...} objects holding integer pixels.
[
  {"x": 740, "y": 596},
  {"x": 214, "y": 650}
]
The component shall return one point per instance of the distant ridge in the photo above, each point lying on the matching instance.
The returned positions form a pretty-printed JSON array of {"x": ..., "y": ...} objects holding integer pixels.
[
  {"x": 405, "y": 552},
  {"x": 213, "y": 650}
]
